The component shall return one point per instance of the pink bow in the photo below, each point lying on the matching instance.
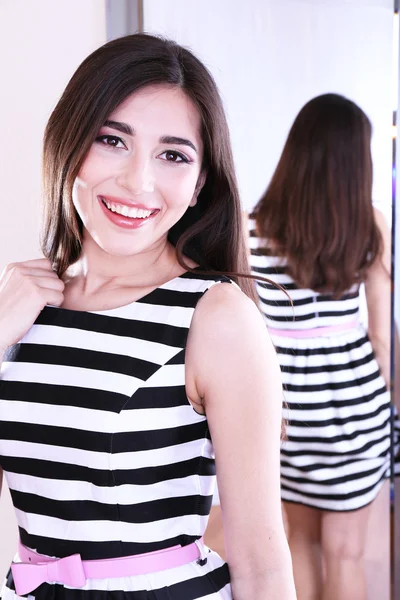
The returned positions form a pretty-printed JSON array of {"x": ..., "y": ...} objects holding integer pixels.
[{"x": 28, "y": 576}]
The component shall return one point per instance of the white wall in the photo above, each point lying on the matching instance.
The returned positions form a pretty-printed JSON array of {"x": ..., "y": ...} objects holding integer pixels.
[
  {"x": 41, "y": 44},
  {"x": 270, "y": 57}
]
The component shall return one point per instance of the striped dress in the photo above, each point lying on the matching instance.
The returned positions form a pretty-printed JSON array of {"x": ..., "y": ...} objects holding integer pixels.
[
  {"x": 337, "y": 452},
  {"x": 101, "y": 449}
]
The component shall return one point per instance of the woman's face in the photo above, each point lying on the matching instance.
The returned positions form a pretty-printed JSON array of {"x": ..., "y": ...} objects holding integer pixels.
[{"x": 142, "y": 172}]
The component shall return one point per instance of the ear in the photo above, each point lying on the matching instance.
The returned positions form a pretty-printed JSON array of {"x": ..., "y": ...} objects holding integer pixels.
[{"x": 199, "y": 185}]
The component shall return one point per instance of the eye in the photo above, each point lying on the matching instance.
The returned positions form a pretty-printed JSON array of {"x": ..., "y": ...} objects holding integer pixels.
[
  {"x": 110, "y": 140},
  {"x": 174, "y": 157}
]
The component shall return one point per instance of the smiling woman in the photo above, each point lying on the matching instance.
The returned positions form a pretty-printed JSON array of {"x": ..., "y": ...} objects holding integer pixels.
[
  {"x": 201, "y": 139},
  {"x": 139, "y": 179},
  {"x": 122, "y": 382}
]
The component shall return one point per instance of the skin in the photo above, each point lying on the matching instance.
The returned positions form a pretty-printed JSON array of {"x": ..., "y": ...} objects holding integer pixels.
[
  {"x": 378, "y": 289},
  {"x": 214, "y": 534},
  {"x": 238, "y": 385}
]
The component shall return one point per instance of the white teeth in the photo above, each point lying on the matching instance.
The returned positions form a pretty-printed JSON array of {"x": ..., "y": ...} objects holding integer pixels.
[{"x": 122, "y": 209}]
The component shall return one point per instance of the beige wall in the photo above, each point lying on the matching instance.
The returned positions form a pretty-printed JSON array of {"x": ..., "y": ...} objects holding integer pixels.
[{"x": 41, "y": 44}]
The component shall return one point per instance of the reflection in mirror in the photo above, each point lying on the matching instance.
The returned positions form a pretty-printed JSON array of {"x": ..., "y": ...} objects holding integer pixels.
[{"x": 315, "y": 232}]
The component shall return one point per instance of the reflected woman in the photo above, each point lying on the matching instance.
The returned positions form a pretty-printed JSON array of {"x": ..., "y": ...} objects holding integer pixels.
[{"x": 316, "y": 233}]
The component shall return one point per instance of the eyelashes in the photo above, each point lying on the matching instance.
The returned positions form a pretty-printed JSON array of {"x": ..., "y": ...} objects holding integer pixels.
[
  {"x": 174, "y": 155},
  {"x": 110, "y": 140},
  {"x": 114, "y": 141}
]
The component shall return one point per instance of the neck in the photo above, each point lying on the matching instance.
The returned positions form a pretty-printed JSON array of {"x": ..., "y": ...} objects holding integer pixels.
[{"x": 98, "y": 269}]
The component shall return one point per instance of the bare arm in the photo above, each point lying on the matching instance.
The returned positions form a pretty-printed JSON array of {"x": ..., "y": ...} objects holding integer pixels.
[
  {"x": 232, "y": 368},
  {"x": 378, "y": 294}
]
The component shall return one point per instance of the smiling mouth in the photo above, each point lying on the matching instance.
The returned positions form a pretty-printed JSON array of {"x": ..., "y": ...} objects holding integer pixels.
[{"x": 128, "y": 212}]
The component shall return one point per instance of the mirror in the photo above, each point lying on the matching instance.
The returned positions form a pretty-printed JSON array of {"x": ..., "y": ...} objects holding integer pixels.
[{"x": 269, "y": 58}]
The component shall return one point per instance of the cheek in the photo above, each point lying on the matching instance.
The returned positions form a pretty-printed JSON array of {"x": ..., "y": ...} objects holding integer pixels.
[
  {"x": 84, "y": 188},
  {"x": 92, "y": 168},
  {"x": 178, "y": 187},
  {"x": 92, "y": 172},
  {"x": 80, "y": 199}
]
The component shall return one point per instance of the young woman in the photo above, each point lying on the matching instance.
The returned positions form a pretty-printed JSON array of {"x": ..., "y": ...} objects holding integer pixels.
[
  {"x": 316, "y": 233},
  {"x": 122, "y": 358}
]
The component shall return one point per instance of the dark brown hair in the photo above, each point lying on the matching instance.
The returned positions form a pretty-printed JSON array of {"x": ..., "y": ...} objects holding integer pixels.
[
  {"x": 211, "y": 233},
  {"x": 317, "y": 210}
]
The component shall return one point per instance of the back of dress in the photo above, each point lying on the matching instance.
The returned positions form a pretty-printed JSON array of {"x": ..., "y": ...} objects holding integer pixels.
[
  {"x": 310, "y": 309},
  {"x": 337, "y": 452}
]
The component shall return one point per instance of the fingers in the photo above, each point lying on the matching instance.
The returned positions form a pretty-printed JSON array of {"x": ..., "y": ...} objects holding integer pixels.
[
  {"x": 36, "y": 272},
  {"x": 25, "y": 289},
  {"x": 50, "y": 283},
  {"x": 23, "y": 270},
  {"x": 54, "y": 298},
  {"x": 40, "y": 263}
]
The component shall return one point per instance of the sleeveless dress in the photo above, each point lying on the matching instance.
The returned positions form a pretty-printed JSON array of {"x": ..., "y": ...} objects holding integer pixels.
[
  {"x": 101, "y": 449},
  {"x": 337, "y": 452}
]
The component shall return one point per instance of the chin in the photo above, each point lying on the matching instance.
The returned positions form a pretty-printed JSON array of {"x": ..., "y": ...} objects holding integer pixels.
[{"x": 116, "y": 248}]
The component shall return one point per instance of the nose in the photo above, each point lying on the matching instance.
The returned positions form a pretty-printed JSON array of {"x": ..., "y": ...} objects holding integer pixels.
[{"x": 136, "y": 174}]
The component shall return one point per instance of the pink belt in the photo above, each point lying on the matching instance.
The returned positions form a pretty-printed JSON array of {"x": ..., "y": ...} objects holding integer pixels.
[
  {"x": 72, "y": 571},
  {"x": 315, "y": 332}
]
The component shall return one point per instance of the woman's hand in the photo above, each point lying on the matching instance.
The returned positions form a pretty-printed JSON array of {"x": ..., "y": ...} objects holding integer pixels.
[{"x": 25, "y": 289}]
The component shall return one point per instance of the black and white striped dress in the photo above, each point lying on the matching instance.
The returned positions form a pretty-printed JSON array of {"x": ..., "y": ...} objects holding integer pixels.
[
  {"x": 102, "y": 451},
  {"x": 337, "y": 452}
]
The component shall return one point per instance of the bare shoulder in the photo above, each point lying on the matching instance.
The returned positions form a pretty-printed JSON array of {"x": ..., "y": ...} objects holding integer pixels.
[
  {"x": 379, "y": 216},
  {"x": 228, "y": 350},
  {"x": 226, "y": 310},
  {"x": 381, "y": 222},
  {"x": 228, "y": 334}
]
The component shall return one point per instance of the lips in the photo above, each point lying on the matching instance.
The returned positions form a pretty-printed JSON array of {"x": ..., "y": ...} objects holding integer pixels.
[
  {"x": 125, "y": 214},
  {"x": 126, "y": 209}
]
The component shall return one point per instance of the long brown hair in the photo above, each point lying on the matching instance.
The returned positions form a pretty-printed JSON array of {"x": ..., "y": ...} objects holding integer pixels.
[
  {"x": 317, "y": 210},
  {"x": 211, "y": 233}
]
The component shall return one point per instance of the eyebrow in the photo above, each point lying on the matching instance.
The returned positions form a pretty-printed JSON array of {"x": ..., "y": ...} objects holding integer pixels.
[
  {"x": 166, "y": 139},
  {"x": 172, "y": 139},
  {"x": 122, "y": 127}
]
